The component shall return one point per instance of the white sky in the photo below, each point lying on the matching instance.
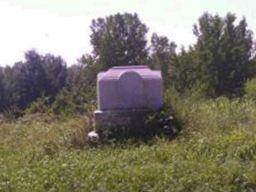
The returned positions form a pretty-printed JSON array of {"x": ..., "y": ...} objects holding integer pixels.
[{"x": 62, "y": 27}]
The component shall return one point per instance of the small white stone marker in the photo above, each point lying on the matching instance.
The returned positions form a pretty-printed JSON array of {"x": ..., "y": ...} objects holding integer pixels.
[{"x": 93, "y": 137}]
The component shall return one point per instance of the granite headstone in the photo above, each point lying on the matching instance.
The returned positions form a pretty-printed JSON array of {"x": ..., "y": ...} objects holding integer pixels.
[{"x": 126, "y": 92}]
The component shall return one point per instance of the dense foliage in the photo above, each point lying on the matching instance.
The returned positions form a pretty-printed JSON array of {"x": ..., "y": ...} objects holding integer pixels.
[
  {"x": 218, "y": 64},
  {"x": 221, "y": 59},
  {"x": 26, "y": 81},
  {"x": 119, "y": 40},
  {"x": 162, "y": 55}
]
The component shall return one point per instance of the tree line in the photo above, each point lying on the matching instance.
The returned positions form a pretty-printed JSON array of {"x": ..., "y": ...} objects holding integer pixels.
[{"x": 218, "y": 64}]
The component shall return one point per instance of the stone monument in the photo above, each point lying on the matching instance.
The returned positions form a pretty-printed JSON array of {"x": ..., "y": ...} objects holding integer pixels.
[{"x": 125, "y": 94}]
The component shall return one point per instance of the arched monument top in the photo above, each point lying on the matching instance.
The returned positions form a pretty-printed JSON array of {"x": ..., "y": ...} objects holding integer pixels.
[
  {"x": 115, "y": 73},
  {"x": 130, "y": 75}
]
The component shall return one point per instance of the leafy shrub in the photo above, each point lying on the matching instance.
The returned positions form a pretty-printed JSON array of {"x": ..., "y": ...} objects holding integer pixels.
[
  {"x": 41, "y": 105},
  {"x": 250, "y": 88}
]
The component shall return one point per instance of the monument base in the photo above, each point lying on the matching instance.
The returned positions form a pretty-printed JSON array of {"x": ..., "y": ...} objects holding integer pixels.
[{"x": 123, "y": 123}]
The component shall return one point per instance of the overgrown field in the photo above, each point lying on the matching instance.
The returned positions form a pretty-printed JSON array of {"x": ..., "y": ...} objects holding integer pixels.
[{"x": 215, "y": 151}]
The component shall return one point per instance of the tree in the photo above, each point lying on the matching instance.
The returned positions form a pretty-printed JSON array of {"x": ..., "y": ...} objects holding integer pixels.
[
  {"x": 79, "y": 92},
  {"x": 184, "y": 75},
  {"x": 30, "y": 79},
  {"x": 38, "y": 76},
  {"x": 55, "y": 70},
  {"x": 119, "y": 39},
  {"x": 221, "y": 58},
  {"x": 163, "y": 52},
  {"x": 2, "y": 88},
  {"x": 10, "y": 84}
]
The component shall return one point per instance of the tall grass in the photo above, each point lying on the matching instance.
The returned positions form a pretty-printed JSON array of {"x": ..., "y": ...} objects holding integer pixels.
[{"x": 216, "y": 151}]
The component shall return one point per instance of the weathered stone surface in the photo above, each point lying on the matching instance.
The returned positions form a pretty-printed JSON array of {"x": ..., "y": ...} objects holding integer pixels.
[
  {"x": 126, "y": 95},
  {"x": 129, "y": 87}
]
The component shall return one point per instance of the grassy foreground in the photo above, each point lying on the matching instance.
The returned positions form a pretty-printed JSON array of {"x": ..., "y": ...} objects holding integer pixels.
[{"x": 216, "y": 151}]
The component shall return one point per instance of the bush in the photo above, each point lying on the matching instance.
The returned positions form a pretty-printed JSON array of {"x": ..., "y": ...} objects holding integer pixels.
[
  {"x": 250, "y": 88},
  {"x": 41, "y": 105}
]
